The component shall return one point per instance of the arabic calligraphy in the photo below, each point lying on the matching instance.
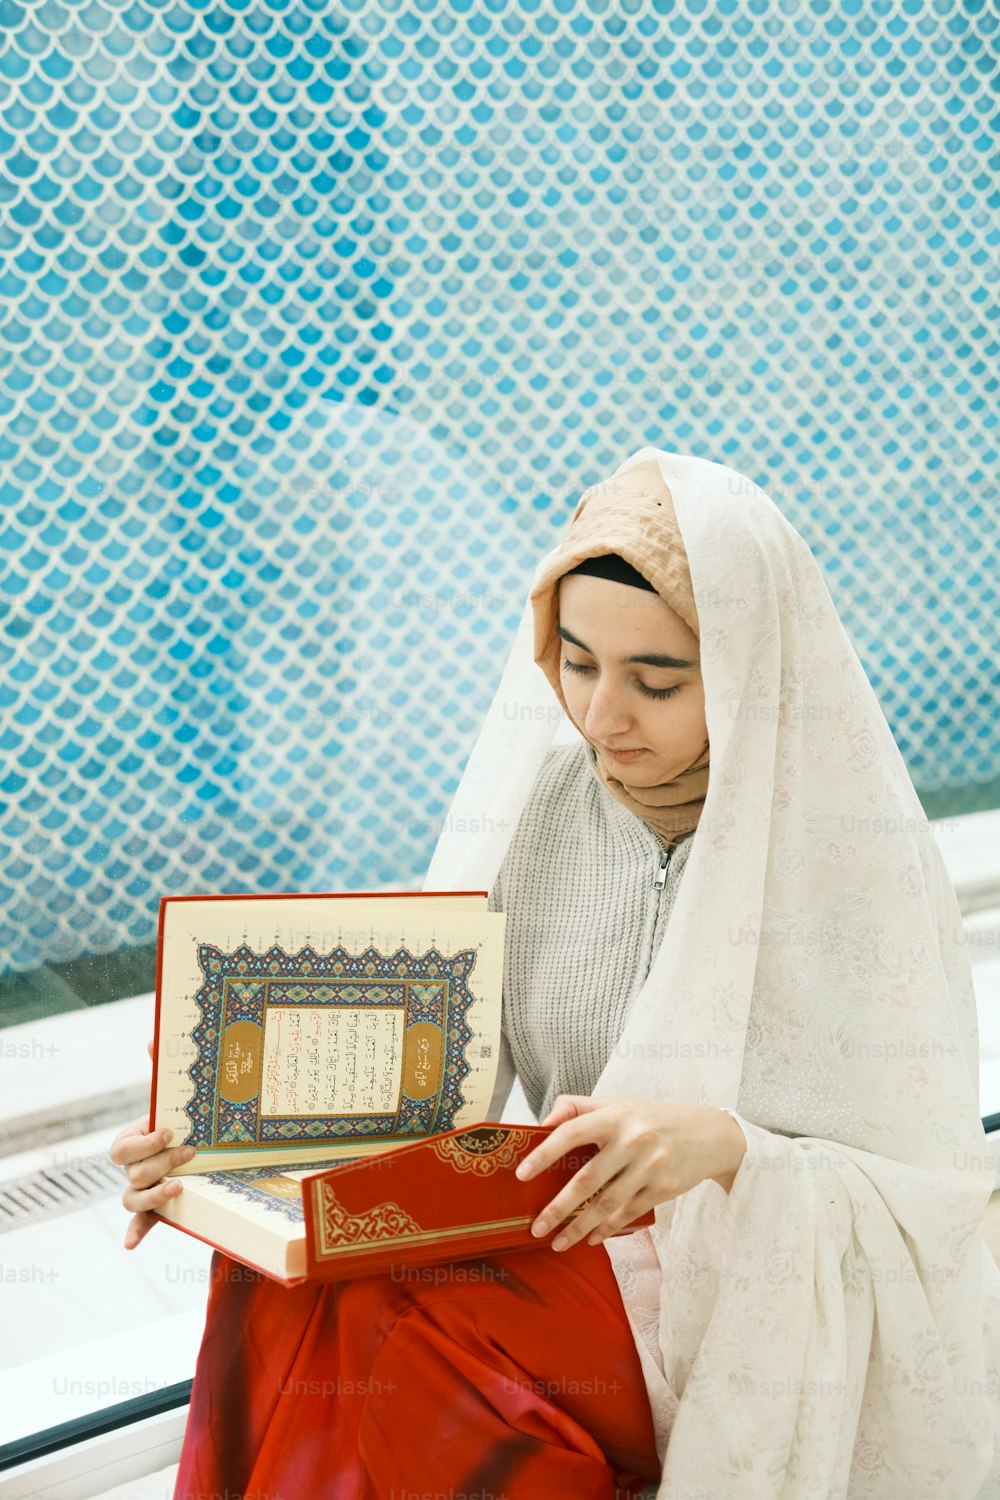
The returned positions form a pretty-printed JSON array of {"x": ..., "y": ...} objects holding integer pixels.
[{"x": 331, "y": 1060}]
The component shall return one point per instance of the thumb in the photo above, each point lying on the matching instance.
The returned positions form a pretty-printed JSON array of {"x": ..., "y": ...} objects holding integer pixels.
[{"x": 568, "y": 1106}]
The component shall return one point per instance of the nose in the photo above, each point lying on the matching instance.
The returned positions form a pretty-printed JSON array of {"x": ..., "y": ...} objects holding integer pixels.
[{"x": 605, "y": 717}]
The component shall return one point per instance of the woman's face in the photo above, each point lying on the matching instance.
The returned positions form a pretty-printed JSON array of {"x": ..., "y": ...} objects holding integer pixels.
[{"x": 657, "y": 708}]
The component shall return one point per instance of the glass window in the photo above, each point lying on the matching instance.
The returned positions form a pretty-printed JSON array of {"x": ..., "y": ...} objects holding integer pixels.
[{"x": 315, "y": 332}]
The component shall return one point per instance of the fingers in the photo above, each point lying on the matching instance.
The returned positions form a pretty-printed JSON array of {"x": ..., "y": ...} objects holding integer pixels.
[
  {"x": 561, "y": 1110},
  {"x": 575, "y": 1130},
  {"x": 144, "y": 1153},
  {"x": 149, "y": 1049},
  {"x": 146, "y": 1157},
  {"x": 573, "y": 1120},
  {"x": 140, "y": 1201},
  {"x": 146, "y": 1160},
  {"x": 603, "y": 1214},
  {"x": 135, "y": 1140},
  {"x": 601, "y": 1186},
  {"x": 615, "y": 1222},
  {"x": 138, "y": 1227},
  {"x": 571, "y": 1107},
  {"x": 582, "y": 1204},
  {"x": 143, "y": 1174}
]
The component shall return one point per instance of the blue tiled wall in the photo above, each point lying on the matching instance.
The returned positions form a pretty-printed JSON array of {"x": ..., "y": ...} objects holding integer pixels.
[{"x": 317, "y": 320}]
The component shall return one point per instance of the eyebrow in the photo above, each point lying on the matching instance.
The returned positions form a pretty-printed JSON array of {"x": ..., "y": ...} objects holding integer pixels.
[{"x": 651, "y": 659}]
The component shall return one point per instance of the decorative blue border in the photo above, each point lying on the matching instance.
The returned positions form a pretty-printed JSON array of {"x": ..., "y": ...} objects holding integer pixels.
[
  {"x": 241, "y": 1181},
  {"x": 240, "y": 985}
]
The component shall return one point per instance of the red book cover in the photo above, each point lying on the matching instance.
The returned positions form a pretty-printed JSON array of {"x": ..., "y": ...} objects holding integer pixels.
[{"x": 452, "y": 1196}]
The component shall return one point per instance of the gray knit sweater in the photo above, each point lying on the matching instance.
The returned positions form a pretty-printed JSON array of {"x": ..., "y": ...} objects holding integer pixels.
[{"x": 585, "y": 917}]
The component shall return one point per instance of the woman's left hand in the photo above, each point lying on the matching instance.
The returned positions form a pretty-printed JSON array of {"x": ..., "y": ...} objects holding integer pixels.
[{"x": 649, "y": 1152}]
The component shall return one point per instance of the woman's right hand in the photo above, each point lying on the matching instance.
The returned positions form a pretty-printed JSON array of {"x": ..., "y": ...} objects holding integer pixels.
[{"x": 146, "y": 1158}]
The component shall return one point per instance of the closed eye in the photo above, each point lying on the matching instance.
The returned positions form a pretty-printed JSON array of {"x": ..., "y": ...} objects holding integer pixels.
[{"x": 647, "y": 692}]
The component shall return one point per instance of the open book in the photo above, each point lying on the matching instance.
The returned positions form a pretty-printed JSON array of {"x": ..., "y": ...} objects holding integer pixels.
[
  {"x": 449, "y": 1196},
  {"x": 331, "y": 1058},
  {"x": 297, "y": 1031}
]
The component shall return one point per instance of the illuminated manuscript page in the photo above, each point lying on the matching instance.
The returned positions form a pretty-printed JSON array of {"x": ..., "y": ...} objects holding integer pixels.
[{"x": 344, "y": 1061}]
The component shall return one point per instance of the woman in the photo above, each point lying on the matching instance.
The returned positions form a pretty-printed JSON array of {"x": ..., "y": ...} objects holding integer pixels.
[{"x": 814, "y": 1313}]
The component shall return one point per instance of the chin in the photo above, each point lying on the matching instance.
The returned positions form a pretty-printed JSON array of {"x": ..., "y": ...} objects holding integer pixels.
[
  {"x": 648, "y": 777},
  {"x": 649, "y": 772},
  {"x": 655, "y": 771}
]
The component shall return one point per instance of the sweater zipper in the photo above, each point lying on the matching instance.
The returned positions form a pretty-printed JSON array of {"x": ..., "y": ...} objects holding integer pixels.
[{"x": 661, "y": 874}]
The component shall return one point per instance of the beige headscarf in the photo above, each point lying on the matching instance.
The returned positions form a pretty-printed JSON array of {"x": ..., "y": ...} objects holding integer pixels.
[{"x": 633, "y": 515}]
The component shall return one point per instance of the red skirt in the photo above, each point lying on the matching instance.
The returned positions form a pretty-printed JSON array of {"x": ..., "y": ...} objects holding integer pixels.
[{"x": 511, "y": 1376}]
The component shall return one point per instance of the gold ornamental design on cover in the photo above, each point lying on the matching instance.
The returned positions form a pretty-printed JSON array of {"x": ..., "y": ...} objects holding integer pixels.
[
  {"x": 387, "y": 1221},
  {"x": 483, "y": 1149}
]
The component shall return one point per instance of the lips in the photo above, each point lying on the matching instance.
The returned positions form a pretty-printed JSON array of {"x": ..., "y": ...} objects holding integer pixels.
[{"x": 625, "y": 757}]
